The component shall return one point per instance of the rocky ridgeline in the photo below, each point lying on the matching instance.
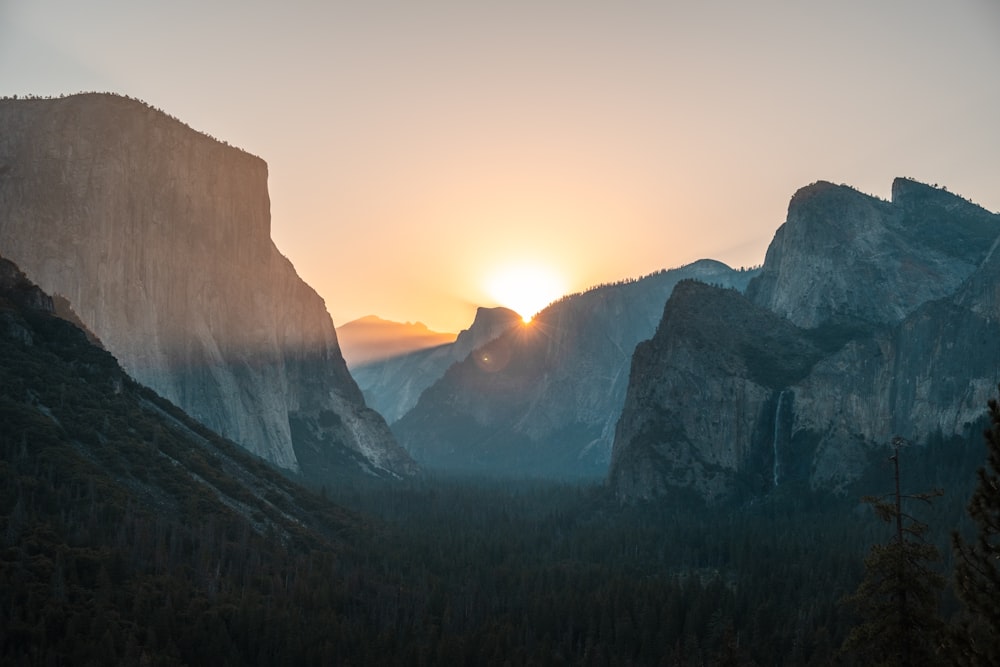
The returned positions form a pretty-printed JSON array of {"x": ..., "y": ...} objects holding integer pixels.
[
  {"x": 869, "y": 320},
  {"x": 843, "y": 256},
  {"x": 18, "y": 291},
  {"x": 159, "y": 237},
  {"x": 371, "y": 339},
  {"x": 542, "y": 400},
  {"x": 392, "y": 386}
]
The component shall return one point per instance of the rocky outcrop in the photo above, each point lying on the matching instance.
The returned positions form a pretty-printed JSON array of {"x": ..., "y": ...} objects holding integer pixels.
[
  {"x": 159, "y": 237},
  {"x": 392, "y": 386},
  {"x": 928, "y": 376},
  {"x": 843, "y": 256},
  {"x": 731, "y": 397},
  {"x": 708, "y": 396},
  {"x": 542, "y": 399},
  {"x": 17, "y": 290}
]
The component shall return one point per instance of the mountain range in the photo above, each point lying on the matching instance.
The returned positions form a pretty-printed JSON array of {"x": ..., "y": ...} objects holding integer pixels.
[
  {"x": 541, "y": 399},
  {"x": 372, "y": 338},
  {"x": 132, "y": 534},
  {"x": 870, "y": 320},
  {"x": 392, "y": 385}
]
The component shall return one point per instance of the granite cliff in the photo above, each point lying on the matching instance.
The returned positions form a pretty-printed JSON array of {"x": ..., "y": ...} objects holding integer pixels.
[
  {"x": 159, "y": 237},
  {"x": 843, "y": 256},
  {"x": 95, "y": 427},
  {"x": 392, "y": 386},
  {"x": 807, "y": 377},
  {"x": 542, "y": 399}
]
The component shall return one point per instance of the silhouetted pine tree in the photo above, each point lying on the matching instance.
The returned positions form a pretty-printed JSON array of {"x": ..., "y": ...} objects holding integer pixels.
[
  {"x": 898, "y": 598},
  {"x": 977, "y": 564}
]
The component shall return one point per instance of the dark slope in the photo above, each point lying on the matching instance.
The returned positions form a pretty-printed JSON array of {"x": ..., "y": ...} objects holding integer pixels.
[{"x": 131, "y": 534}]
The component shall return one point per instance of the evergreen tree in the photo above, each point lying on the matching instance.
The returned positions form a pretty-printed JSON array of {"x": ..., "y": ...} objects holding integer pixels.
[
  {"x": 897, "y": 599},
  {"x": 977, "y": 564}
]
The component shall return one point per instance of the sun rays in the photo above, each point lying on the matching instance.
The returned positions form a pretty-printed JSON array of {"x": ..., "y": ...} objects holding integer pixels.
[{"x": 526, "y": 288}]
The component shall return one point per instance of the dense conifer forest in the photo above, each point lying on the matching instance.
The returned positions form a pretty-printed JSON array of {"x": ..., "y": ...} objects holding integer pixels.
[
  {"x": 131, "y": 535},
  {"x": 541, "y": 573}
]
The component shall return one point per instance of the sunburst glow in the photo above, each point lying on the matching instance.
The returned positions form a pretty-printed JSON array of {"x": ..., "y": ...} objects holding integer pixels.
[{"x": 526, "y": 289}]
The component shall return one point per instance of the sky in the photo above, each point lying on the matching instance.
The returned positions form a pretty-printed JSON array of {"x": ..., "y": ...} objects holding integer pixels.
[{"x": 425, "y": 156}]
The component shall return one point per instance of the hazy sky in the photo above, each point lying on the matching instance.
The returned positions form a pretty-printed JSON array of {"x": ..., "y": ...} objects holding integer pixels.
[{"x": 417, "y": 149}]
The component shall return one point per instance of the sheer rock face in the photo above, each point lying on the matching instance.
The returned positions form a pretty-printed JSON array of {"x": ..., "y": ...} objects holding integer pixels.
[
  {"x": 392, "y": 386},
  {"x": 699, "y": 390},
  {"x": 731, "y": 396},
  {"x": 159, "y": 237},
  {"x": 843, "y": 256},
  {"x": 541, "y": 400}
]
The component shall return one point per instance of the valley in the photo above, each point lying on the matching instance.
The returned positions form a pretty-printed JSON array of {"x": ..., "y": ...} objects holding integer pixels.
[{"x": 669, "y": 469}]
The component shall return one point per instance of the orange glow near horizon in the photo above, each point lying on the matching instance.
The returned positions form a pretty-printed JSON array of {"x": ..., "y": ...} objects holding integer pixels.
[
  {"x": 444, "y": 143},
  {"x": 526, "y": 288}
]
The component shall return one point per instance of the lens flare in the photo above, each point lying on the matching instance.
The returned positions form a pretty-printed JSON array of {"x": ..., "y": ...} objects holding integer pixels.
[{"x": 526, "y": 289}]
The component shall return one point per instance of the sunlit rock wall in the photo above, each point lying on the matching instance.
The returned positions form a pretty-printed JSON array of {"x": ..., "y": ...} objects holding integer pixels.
[{"x": 159, "y": 237}]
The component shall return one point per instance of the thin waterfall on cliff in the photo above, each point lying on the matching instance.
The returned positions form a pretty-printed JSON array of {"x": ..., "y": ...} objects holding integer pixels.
[{"x": 777, "y": 433}]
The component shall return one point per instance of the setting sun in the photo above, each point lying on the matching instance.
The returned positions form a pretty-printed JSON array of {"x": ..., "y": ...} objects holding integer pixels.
[{"x": 526, "y": 289}]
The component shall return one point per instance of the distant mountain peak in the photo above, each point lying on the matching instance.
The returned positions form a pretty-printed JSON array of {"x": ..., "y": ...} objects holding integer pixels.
[
  {"x": 903, "y": 187},
  {"x": 842, "y": 255},
  {"x": 375, "y": 320},
  {"x": 542, "y": 400},
  {"x": 486, "y": 317},
  {"x": 825, "y": 196},
  {"x": 909, "y": 194},
  {"x": 392, "y": 385},
  {"x": 819, "y": 187},
  {"x": 372, "y": 338}
]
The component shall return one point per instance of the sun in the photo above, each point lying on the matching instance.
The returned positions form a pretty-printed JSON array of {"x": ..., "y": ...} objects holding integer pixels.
[{"x": 526, "y": 288}]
